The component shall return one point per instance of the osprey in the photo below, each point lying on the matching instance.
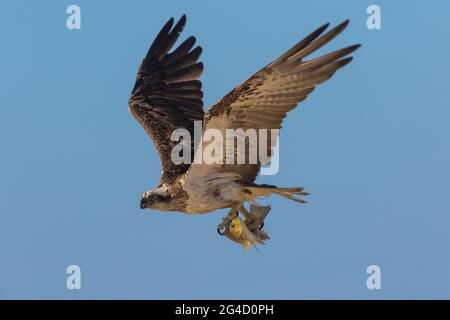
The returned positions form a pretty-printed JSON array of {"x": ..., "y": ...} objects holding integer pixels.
[{"x": 168, "y": 96}]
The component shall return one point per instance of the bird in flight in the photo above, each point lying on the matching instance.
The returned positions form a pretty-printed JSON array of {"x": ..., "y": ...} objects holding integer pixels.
[{"x": 168, "y": 96}]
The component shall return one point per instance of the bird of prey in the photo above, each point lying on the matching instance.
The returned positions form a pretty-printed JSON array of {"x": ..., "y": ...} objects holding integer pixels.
[{"x": 168, "y": 95}]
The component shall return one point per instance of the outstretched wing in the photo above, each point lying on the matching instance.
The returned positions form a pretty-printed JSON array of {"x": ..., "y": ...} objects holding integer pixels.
[
  {"x": 167, "y": 94},
  {"x": 264, "y": 99}
]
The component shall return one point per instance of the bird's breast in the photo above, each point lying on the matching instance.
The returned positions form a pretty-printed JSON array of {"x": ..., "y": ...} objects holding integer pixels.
[{"x": 208, "y": 198}]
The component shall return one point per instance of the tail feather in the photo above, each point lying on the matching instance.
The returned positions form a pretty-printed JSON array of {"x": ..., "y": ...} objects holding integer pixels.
[{"x": 288, "y": 193}]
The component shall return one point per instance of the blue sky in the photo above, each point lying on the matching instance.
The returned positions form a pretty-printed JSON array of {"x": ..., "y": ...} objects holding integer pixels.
[{"x": 371, "y": 145}]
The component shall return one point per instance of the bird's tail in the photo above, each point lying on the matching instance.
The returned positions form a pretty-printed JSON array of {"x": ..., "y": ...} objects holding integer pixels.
[{"x": 288, "y": 193}]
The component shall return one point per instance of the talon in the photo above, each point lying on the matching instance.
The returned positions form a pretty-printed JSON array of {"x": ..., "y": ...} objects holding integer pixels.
[
  {"x": 220, "y": 232},
  {"x": 261, "y": 226}
]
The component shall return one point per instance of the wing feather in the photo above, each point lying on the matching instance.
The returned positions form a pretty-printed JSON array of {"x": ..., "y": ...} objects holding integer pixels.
[
  {"x": 262, "y": 102},
  {"x": 168, "y": 94}
]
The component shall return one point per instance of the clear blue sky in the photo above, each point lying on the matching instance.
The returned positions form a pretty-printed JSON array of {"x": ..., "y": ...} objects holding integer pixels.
[{"x": 371, "y": 145}]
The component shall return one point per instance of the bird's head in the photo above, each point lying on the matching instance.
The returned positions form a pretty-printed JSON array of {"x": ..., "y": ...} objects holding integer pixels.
[{"x": 155, "y": 199}]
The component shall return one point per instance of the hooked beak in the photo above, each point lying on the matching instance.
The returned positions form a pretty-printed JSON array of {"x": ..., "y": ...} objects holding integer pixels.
[{"x": 143, "y": 203}]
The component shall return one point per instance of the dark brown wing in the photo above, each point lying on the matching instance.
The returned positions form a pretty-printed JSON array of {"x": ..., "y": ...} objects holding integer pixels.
[
  {"x": 167, "y": 94},
  {"x": 264, "y": 99}
]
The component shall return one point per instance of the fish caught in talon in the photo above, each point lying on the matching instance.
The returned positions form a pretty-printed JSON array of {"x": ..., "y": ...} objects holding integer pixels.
[
  {"x": 227, "y": 220},
  {"x": 238, "y": 232},
  {"x": 248, "y": 232}
]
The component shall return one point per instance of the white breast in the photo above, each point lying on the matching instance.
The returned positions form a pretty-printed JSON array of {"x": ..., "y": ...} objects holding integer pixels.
[{"x": 208, "y": 196}]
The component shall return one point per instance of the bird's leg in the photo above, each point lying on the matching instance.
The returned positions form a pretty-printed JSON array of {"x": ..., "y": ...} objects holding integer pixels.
[
  {"x": 244, "y": 211},
  {"x": 249, "y": 221},
  {"x": 233, "y": 213}
]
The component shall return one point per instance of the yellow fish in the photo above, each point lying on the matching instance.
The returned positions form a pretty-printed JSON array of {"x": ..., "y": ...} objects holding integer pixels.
[
  {"x": 249, "y": 232},
  {"x": 238, "y": 232}
]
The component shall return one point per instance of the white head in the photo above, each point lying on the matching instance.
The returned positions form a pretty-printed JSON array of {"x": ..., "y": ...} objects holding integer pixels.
[{"x": 158, "y": 198}]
